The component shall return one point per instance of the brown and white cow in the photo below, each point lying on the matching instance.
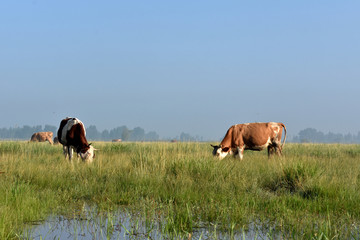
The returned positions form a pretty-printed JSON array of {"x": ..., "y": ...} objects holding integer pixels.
[
  {"x": 251, "y": 136},
  {"x": 42, "y": 137},
  {"x": 71, "y": 135}
]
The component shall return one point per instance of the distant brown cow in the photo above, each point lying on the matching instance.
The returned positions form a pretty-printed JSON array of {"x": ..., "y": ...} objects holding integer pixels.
[
  {"x": 251, "y": 136},
  {"x": 42, "y": 137}
]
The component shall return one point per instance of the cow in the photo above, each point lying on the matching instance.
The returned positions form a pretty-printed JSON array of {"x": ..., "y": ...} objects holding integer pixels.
[
  {"x": 251, "y": 136},
  {"x": 42, "y": 137},
  {"x": 71, "y": 134}
]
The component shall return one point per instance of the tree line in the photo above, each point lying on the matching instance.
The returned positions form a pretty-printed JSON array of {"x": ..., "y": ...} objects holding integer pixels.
[
  {"x": 139, "y": 134},
  {"x": 314, "y": 136},
  {"x": 92, "y": 133},
  {"x": 136, "y": 134}
]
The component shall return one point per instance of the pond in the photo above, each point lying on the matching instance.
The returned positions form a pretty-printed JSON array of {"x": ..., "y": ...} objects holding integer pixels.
[{"x": 122, "y": 224}]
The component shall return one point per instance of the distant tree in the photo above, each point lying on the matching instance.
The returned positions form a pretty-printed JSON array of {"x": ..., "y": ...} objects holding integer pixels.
[
  {"x": 357, "y": 137},
  {"x": 125, "y": 135},
  {"x": 152, "y": 136},
  {"x": 334, "y": 138},
  {"x": 27, "y": 131},
  {"x": 92, "y": 133},
  {"x": 137, "y": 134},
  {"x": 185, "y": 137},
  {"x": 105, "y": 135},
  {"x": 348, "y": 138},
  {"x": 49, "y": 128},
  {"x": 116, "y": 133},
  {"x": 311, "y": 135}
]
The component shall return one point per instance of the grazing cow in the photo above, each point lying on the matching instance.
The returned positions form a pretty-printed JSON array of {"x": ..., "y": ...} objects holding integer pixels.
[
  {"x": 71, "y": 135},
  {"x": 117, "y": 140},
  {"x": 42, "y": 137},
  {"x": 251, "y": 136}
]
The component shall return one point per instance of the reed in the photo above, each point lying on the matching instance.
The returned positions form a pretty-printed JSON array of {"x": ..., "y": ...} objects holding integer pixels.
[{"x": 312, "y": 192}]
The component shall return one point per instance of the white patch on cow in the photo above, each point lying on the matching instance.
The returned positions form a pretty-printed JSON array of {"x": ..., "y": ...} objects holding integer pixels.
[
  {"x": 277, "y": 130},
  {"x": 275, "y": 127},
  {"x": 262, "y": 147},
  {"x": 71, "y": 152},
  {"x": 221, "y": 154},
  {"x": 70, "y": 123},
  {"x": 88, "y": 156}
]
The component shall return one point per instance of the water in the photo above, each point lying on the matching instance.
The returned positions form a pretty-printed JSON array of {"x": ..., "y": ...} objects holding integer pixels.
[{"x": 90, "y": 224}]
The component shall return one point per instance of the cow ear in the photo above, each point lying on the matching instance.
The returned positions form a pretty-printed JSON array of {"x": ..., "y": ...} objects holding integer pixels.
[
  {"x": 225, "y": 149},
  {"x": 213, "y": 146}
]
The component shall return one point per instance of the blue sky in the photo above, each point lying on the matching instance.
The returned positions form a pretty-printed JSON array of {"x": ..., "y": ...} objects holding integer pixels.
[{"x": 181, "y": 66}]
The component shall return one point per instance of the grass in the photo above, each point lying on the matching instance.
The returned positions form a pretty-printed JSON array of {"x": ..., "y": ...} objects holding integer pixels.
[{"x": 312, "y": 192}]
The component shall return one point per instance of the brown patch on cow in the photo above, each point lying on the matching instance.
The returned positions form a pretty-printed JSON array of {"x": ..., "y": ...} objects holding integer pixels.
[{"x": 226, "y": 149}]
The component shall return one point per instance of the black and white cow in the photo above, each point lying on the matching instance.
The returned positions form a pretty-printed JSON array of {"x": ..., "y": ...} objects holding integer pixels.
[{"x": 71, "y": 135}]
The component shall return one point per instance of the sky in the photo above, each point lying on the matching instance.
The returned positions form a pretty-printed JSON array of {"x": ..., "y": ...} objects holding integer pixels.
[{"x": 181, "y": 66}]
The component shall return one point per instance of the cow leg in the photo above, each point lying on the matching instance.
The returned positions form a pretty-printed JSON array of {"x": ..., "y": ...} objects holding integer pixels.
[
  {"x": 70, "y": 151},
  {"x": 274, "y": 147},
  {"x": 240, "y": 152},
  {"x": 277, "y": 146},
  {"x": 50, "y": 141},
  {"x": 278, "y": 150},
  {"x": 271, "y": 150},
  {"x": 65, "y": 151}
]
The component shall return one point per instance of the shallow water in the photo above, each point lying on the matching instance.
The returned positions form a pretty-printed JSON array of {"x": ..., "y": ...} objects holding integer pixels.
[{"x": 90, "y": 224}]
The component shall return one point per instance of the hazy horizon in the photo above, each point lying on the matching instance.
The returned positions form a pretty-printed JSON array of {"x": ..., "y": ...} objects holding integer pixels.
[
  {"x": 171, "y": 67},
  {"x": 290, "y": 137}
]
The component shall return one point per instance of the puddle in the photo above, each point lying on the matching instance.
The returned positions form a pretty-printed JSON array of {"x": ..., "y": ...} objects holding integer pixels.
[{"x": 124, "y": 225}]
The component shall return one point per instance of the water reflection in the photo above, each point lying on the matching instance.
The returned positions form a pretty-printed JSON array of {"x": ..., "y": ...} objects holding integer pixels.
[{"x": 90, "y": 224}]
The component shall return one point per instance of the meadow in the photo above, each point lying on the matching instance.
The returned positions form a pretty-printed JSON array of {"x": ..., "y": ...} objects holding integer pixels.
[{"x": 312, "y": 192}]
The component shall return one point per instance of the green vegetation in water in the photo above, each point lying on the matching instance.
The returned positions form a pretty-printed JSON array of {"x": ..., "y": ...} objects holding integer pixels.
[{"x": 312, "y": 192}]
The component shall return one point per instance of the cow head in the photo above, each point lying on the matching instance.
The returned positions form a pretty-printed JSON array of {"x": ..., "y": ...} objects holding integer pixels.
[
  {"x": 88, "y": 154},
  {"x": 220, "y": 152}
]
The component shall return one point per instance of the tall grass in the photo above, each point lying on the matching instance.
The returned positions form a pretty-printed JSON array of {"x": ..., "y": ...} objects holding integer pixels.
[{"x": 312, "y": 192}]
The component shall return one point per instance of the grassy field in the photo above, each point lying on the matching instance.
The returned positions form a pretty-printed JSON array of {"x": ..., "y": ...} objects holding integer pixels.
[{"x": 312, "y": 192}]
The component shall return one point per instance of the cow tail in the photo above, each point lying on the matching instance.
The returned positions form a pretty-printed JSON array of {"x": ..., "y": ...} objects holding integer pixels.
[{"x": 283, "y": 125}]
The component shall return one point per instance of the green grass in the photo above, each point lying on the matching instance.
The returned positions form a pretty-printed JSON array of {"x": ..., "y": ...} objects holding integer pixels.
[{"x": 312, "y": 192}]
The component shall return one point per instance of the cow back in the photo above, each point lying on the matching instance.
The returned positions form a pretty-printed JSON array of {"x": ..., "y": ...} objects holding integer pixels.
[
  {"x": 233, "y": 137},
  {"x": 250, "y": 134},
  {"x": 69, "y": 129},
  {"x": 60, "y": 130}
]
